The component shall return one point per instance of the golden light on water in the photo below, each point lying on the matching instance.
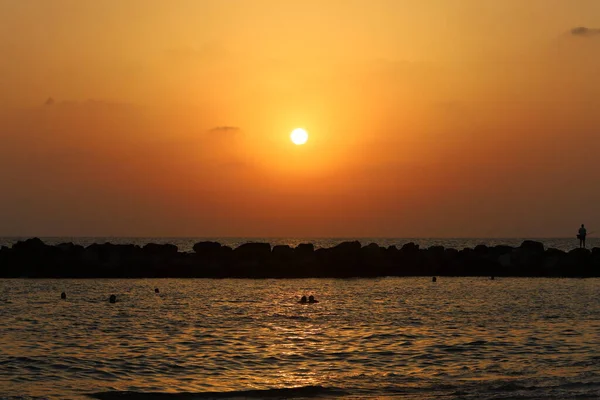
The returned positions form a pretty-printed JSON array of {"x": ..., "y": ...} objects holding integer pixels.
[{"x": 299, "y": 136}]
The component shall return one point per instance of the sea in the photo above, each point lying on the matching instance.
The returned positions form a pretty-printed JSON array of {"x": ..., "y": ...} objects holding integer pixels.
[{"x": 384, "y": 338}]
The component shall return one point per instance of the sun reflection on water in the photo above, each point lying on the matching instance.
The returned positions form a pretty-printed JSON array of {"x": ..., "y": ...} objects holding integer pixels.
[{"x": 364, "y": 336}]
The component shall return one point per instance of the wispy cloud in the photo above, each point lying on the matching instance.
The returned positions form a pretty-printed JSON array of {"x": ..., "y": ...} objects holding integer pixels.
[
  {"x": 582, "y": 31},
  {"x": 225, "y": 128}
]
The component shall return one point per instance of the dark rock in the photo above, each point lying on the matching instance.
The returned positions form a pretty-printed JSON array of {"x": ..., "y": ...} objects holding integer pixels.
[
  {"x": 283, "y": 252},
  {"x": 347, "y": 247},
  {"x": 70, "y": 248},
  {"x": 532, "y": 246},
  {"x": 450, "y": 254},
  {"x": 410, "y": 248},
  {"x": 33, "y": 258},
  {"x": 207, "y": 247},
  {"x": 578, "y": 262},
  {"x": 502, "y": 249},
  {"x": 34, "y": 245},
  {"x": 435, "y": 254},
  {"x": 165, "y": 250},
  {"x": 481, "y": 249},
  {"x": 250, "y": 260},
  {"x": 528, "y": 259},
  {"x": 283, "y": 263},
  {"x": 374, "y": 260},
  {"x": 253, "y": 250},
  {"x": 342, "y": 260},
  {"x": 305, "y": 249}
]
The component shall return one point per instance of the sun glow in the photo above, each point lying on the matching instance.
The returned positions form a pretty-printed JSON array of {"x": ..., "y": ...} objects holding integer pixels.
[{"x": 299, "y": 136}]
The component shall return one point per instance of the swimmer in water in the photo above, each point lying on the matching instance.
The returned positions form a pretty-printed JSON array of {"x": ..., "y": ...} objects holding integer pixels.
[
  {"x": 303, "y": 300},
  {"x": 311, "y": 299}
]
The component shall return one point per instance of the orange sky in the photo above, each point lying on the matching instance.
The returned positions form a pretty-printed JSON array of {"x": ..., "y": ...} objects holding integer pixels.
[{"x": 438, "y": 118}]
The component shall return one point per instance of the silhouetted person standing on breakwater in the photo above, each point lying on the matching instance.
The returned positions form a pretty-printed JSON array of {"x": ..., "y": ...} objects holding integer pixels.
[{"x": 581, "y": 236}]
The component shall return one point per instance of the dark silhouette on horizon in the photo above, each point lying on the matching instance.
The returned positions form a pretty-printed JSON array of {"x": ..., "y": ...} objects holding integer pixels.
[
  {"x": 581, "y": 236},
  {"x": 63, "y": 296},
  {"x": 32, "y": 258}
]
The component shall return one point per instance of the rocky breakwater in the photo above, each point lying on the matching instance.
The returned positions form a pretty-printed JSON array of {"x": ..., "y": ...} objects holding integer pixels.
[{"x": 34, "y": 259}]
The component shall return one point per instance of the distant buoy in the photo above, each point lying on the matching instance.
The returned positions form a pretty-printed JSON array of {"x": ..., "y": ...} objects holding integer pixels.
[
  {"x": 492, "y": 278},
  {"x": 63, "y": 296},
  {"x": 434, "y": 279},
  {"x": 113, "y": 298},
  {"x": 156, "y": 290}
]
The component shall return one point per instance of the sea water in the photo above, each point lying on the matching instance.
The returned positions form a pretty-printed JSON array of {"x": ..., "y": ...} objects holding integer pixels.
[{"x": 408, "y": 338}]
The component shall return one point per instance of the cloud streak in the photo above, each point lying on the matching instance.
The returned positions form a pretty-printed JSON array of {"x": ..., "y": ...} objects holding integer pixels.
[
  {"x": 225, "y": 129},
  {"x": 582, "y": 31}
]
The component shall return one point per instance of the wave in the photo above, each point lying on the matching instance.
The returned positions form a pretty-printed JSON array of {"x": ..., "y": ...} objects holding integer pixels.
[{"x": 288, "y": 393}]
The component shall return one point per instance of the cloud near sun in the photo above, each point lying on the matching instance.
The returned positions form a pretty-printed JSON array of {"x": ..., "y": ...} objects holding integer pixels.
[
  {"x": 585, "y": 32},
  {"x": 225, "y": 128}
]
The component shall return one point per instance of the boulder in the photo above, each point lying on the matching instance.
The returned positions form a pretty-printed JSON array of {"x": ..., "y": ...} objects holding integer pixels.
[
  {"x": 347, "y": 247},
  {"x": 532, "y": 246},
  {"x": 553, "y": 259},
  {"x": 481, "y": 249},
  {"x": 283, "y": 252},
  {"x": 70, "y": 248},
  {"x": 164, "y": 250},
  {"x": 253, "y": 252},
  {"x": 410, "y": 248},
  {"x": 373, "y": 259},
  {"x": 206, "y": 247},
  {"x": 304, "y": 252},
  {"x": 33, "y": 245},
  {"x": 505, "y": 260},
  {"x": 528, "y": 259}
]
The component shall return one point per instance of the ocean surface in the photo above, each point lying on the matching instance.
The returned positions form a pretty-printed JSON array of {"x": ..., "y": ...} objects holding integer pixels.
[
  {"x": 187, "y": 243},
  {"x": 396, "y": 338}
]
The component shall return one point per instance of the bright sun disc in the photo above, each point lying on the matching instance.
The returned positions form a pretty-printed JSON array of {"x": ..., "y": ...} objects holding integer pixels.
[{"x": 299, "y": 136}]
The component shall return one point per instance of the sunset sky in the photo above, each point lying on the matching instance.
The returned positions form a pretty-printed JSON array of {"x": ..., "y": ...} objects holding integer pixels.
[{"x": 427, "y": 118}]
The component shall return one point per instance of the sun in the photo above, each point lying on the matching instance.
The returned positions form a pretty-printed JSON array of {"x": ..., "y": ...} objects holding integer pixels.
[{"x": 299, "y": 136}]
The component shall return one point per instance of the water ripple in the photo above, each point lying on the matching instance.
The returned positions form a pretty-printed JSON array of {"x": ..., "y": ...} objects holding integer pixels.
[{"x": 461, "y": 338}]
